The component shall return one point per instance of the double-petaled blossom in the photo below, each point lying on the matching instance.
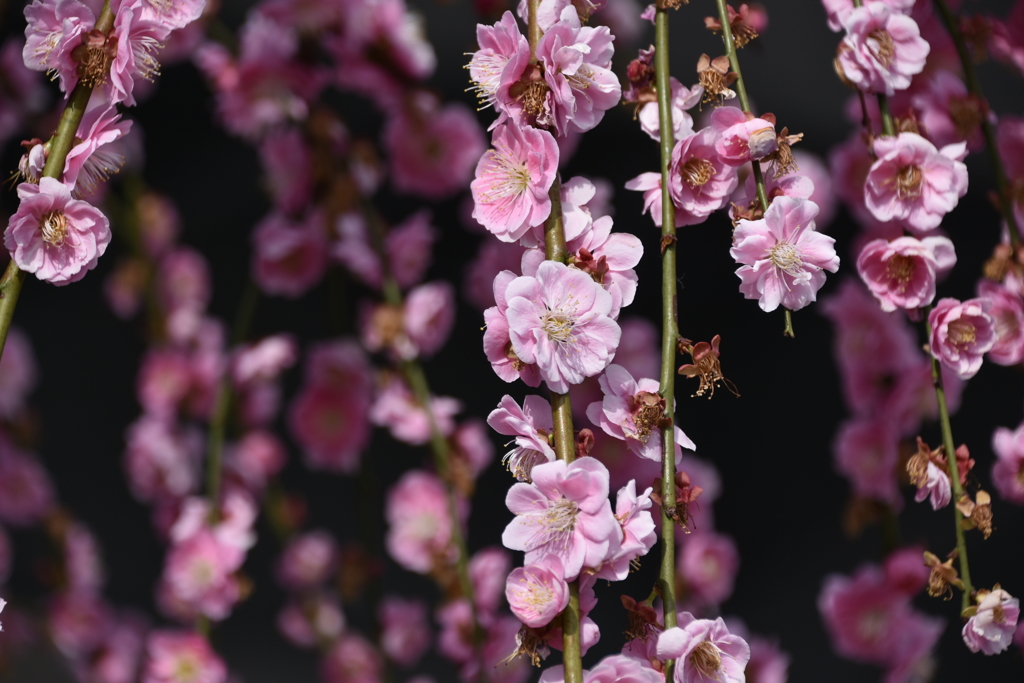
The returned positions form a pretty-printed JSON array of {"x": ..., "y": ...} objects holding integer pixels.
[
  {"x": 838, "y": 10},
  {"x": 704, "y": 650},
  {"x": 537, "y": 593},
  {"x": 683, "y": 99},
  {"x": 913, "y": 182},
  {"x": 510, "y": 191},
  {"x": 742, "y": 137},
  {"x": 499, "y": 44},
  {"x": 700, "y": 181},
  {"x": 991, "y": 628},
  {"x": 882, "y": 50},
  {"x": 55, "y": 237},
  {"x": 633, "y": 411},
  {"x": 614, "y": 669},
  {"x": 565, "y": 512},
  {"x": 783, "y": 257},
  {"x": 638, "y": 532},
  {"x": 902, "y": 273},
  {"x": 962, "y": 332},
  {"x": 947, "y": 113},
  {"x": 560, "y": 321},
  {"x": 498, "y": 340},
  {"x": 531, "y": 425},
  {"x": 53, "y": 31}
]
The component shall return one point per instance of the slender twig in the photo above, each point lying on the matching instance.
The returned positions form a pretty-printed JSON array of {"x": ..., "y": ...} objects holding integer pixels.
[
  {"x": 60, "y": 144},
  {"x": 888, "y": 127},
  {"x": 954, "y": 473},
  {"x": 669, "y": 327},
  {"x": 974, "y": 87}
]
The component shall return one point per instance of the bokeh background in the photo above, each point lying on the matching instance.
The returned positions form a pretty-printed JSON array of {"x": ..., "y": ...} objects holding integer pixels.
[{"x": 782, "y": 499}]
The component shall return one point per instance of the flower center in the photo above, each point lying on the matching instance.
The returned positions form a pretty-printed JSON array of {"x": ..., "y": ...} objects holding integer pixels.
[
  {"x": 900, "y": 268},
  {"x": 697, "y": 172},
  {"x": 786, "y": 257},
  {"x": 962, "y": 333},
  {"x": 509, "y": 174},
  {"x": 187, "y": 669},
  {"x": 486, "y": 69},
  {"x": 558, "y": 325},
  {"x": 54, "y": 227},
  {"x": 521, "y": 461},
  {"x": 908, "y": 182},
  {"x": 884, "y": 49},
  {"x": 533, "y": 97},
  {"x": 561, "y": 516},
  {"x": 706, "y": 659},
  {"x": 94, "y": 57}
]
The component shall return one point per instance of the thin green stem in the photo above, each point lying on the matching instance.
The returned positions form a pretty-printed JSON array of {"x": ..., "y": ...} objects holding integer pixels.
[
  {"x": 954, "y": 474},
  {"x": 974, "y": 87},
  {"x": 669, "y": 329},
  {"x": 60, "y": 144},
  {"x": 888, "y": 127}
]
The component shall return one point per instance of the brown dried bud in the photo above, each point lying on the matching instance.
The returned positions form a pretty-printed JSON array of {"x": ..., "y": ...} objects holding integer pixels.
[
  {"x": 686, "y": 493},
  {"x": 648, "y": 411},
  {"x": 942, "y": 577},
  {"x": 530, "y": 643},
  {"x": 715, "y": 77},
  {"x": 977, "y": 513},
  {"x": 742, "y": 31},
  {"x": 584, "y": 443},
  {"x": 707, "y": 367},
  {"x": 643, "y": 619},
  {"x": 782, "y": 161}
]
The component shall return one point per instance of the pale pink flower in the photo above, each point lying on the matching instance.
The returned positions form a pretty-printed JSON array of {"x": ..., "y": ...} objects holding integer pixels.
[
  {"x": 311, "y": 619},
  {"x": 162, "y": 460},
  {"x": 255, "y": 458},
  {"x": 705, "y": 650},
  {"x": 488, "y": 569},
  {"x": 405, "y": 630},
  {"x": 839, "y": 10},
  {"x": 288, "y": 168},
  {"x": 53, "y": 30},
  {"x": 560, "y": 320},
  {"x": 882, "y": 50},
  {"x": 902, "y": 273},
  {"x": 630, "y": 411},
  {"x": 498, "y": 338},
  {"x": 93, "y": 159},
  {"x": 962, "y": 332},
  {"x": 263, "y": 360},
  {"x": 913, "y": 182},
  {"x": 947, "y": 113},
  {"x": 650, "y": 185},
  {"x": 638, "y": 532},
  {"x": 613, "y": 669},
  {"x": 512, "y": 181},
  {"x": 866, "y": 451},
  {"x": 565, "y": 512},
  {"x": 783, "y": 257},
  {"x": 55, "y": 237},
  {"x": 429, "y": 315},
  {"x": 133, "y": 41},
  {"x": 708, "y": 563},
  {"x": 26, "y": 493},
  {"x": 742, "y": 137},
  {"x": 289, "y": 258},
  {"x": 991, "y": 629},
  {"x": 199, "y": 579},
  {"x": 537, "y": 593},
  {"x": 176, "y": 14},
  {"x": 78, "y": 621},
  {"x": 181, "y": 657},
  {"x": 419, "y": 524},
  {"x": 307, "y": 561},
  {"x": 683, "y": 99},
  {"x": 499, "y": 44},
  {"x": 700, "y": 181},
  {"x": 532, "y": 426},
  {"x": 1008, "y": 469},
  {"x": 396, "y": 408},
  {"x": 432, "y": 149},
  {"x": 18, "y": 373},
  {"x": 1008, "y": 317},
  {"x": 352, "y": 659}
]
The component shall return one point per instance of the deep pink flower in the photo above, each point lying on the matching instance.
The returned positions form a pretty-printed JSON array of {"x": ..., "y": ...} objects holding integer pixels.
[
  {"x": 18, "y": 373},
  {"x": 332, "y": 426},
  {"x": 307, "y": 561},
  {"x": 1008, "y": 316},
  {"x": 78, "y": 621},
  {"x": 866, "y": 451},
  {"x": 199, "y": 578},
  {"x": 537, "y": 593},
  {"x": 288, "y": 167},
  {"x": 565, "y": 512},
  {"x": 432, "y": 149},
  {"x": 962, "y": 332},
  {"x": 902, "y": 273},
  {"x": 638, "y": 532},
  {"x": 630, "y": 410},
  {"x": 408, "y": 246},
  {"x": 54, "y": 236},
  {"x": 181, "y": 657},
  {"x": 913, "y": 182},
  {"x": 1008, "y": 469},
  {"x": 838, "y": 10},
  {"x": 862, "y": 614},
  {"x": 683, "y": 99},
  {"x": 512, "y": 181},
  {"x": 743, "y": 137},
  {"x": 405, "y": 629},
  {"x": 700, "y": 181},
  {"x": 172, "y": 15},
  {"x": 419, "y": 524},
  {"x": 947, "y": 113},
  {"x": 531, "y": 425},
  {"x": 705, "y": 650},
  {"x": 882, "y": 50},
  {"x": 498, "y": 338},
  {"x": 560, "y": 321},
  {"x": 708, "y": 563},
  {"x": 499, "y": 45},
  {"x": 289, "y": 257},
  {"x": 352, "y": 659},
  {"x": 783, "y": 257},
  {"x": 991, "y": 629}
]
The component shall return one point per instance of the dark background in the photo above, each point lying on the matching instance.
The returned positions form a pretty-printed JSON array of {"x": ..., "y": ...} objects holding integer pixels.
[{"x": 782, "y": 500}]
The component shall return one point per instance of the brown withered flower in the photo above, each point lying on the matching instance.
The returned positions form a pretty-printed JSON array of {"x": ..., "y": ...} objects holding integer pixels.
[
  {"x": 782, "y": 161},
  {"x": 643, "y": 620},
  {"x": 686, "y": 493},
  {"x": 715, "y": 77},
  {"x": 742, "y": 31},
  {"x": 94, "y": 56},
  {"x": 942, "y": 577},
  {"x": 584, "y": 443},
  {"x": 706, "y": 365},
  {"x": 530, "y": 643},
  {"x": 596, "y": 268},
  {"x": 977, "y": 513},
  {"x": 648, "y": 411}
]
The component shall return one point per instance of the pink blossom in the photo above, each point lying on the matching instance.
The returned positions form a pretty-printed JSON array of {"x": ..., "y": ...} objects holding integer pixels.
[
  {"x": 288, "y": 167},
  {"x": 991, "y": 629},
  {"x": 289, "y": 258},
  {"x": 419, "y": 525},
  {"x": 866, "y": 451},
  {"x": 882, "y": 50},
  {"x": 537, "y": 593},
  {"x": 783, "y": 256},
  {"x": 263, "y": 360},
  {"x": 638, "y": 532},
  {"x": 133, "y": 41},
  {"x": 405, "y": 630},
  {"x": 962, "y": 332},
  {"x": 26, "y": 493},
  {"x": 161, "y": 460},
  {"x": 902, "y": 273},
  {"x": 429, "y": 315},
  {"x": 823, "y": 193},
  {"x": 311, "y": 619},
  {"x": 915, "y": 638},
  {"x": 255, "y": 458},
  {"x": 352, "y": 659},
  {"x": 1008, "y": 317},
  {"x": 54, "y": 236},
  {"x": 512, "y": 181},
  {"x": 630, "y": 411},
  {"x": 307, "y": 561},
  {"x": 432, "y": 149},
  {"x": 181, "y": 657},
  {"x": 742, "y": 137},
  {"x": 408, "y": 246},
  {"x": 613, "y": 669},
  {"x": 472, "y": 446},
  {"x": 53, "y": 31},
  {"x": 118, "y": 657},
  {"x": 532, "y": 427},
  {"x": 650, "y": 185},
  {"x": 397, "y": 409},
  {"x": 913, "y": 182},
  {"x": 93, "y": 158},
  {"x": 935, "y": 487},
  {"x": 488, "y": 569},
  {"x": 331, "y": 425},
  {"x": 564, "y": 512},
  {"x": 498, "y": 338},
  {"x": 493, "y": 257},
  {"x": 1008, "y": 469},
  {"x": 705, "y": 650},
  {"x": 18, "y": 373},
  {"x": 78, "y": 621},
  {"x": 172, "y": 15},
  {"x": 683, "y": 99},
  {"x": 948, "y": 114},
  {"x": 700, "y": 181},
  {"x": 560, "y": 320},
  {"x": 499, "y": 45},
  {"x": 708, "y": 563}
]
